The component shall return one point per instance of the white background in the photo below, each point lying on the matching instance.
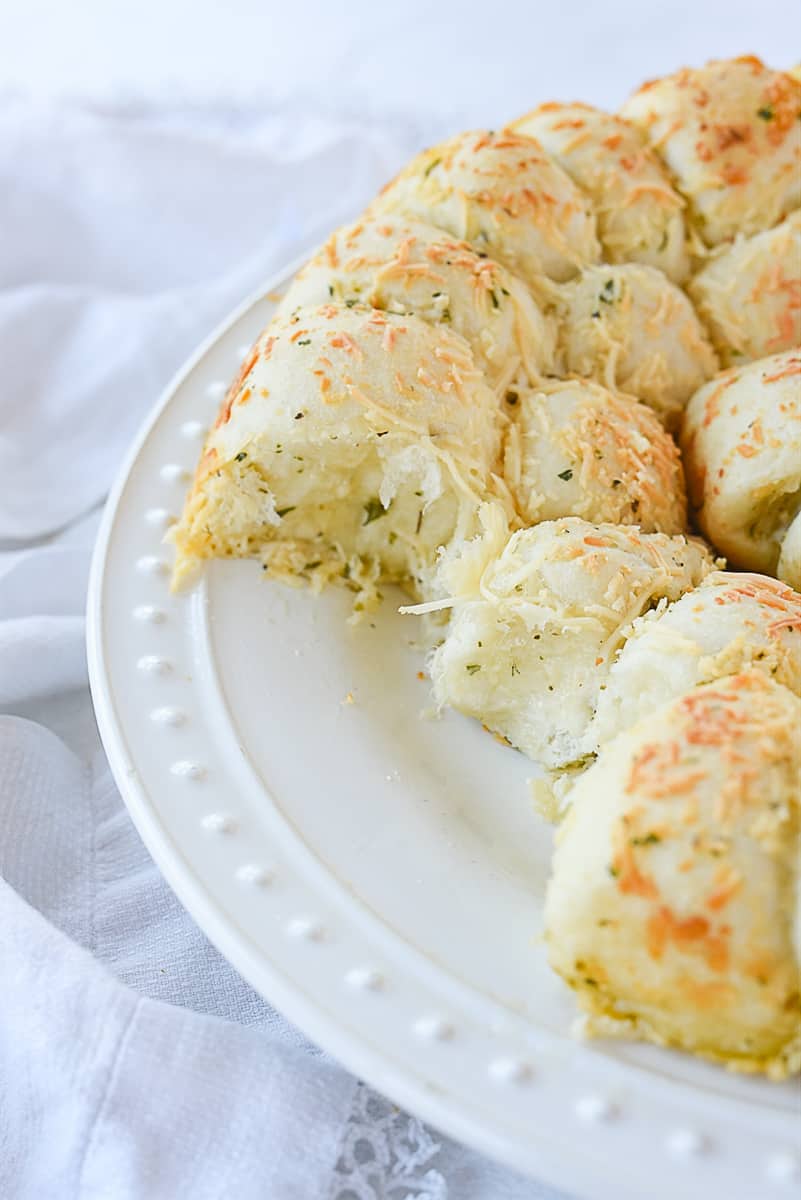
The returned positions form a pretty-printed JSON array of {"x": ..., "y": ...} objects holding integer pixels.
[{"x": 471, "y": 63}]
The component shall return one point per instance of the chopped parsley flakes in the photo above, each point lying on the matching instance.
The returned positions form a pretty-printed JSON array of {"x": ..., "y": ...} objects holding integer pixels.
[{"x": 373, "y": 509}]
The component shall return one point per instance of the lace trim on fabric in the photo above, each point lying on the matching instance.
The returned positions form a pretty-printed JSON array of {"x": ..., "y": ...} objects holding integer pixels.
[{"x": 385, "y": 1155}]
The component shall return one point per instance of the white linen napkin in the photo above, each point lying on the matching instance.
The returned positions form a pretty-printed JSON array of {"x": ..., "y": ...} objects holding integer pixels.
[{"x": 135, "y": 1064}]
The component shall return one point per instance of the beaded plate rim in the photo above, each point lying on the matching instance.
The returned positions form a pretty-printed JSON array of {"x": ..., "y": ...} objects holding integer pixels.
[{"x": 519, "y": 1093}]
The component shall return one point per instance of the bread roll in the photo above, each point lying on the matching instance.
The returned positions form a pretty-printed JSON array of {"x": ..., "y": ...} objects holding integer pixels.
[
  {"x": 409, "y": 267},
  {"x": 353, "y": 444},
  {"x": 503, "y": 194},
  {"x": 729, "y": 134},
  {"x": 741, "y": 439},
  {"x": 633, "y": 330},
  {"x": 536, "y": 625},
  {"x": 672, "y": 902},
  {"x": 749, "y": 296},
  {"x": 576, "y": 449},
  {"x": 732, "y": 622},
  {"x": 639, "y": 212}
]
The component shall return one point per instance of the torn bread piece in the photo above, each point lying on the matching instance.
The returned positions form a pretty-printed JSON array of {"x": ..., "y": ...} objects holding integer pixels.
[
  {"x": 672, "y": 906},
  {"x": 634, "y": 331},
  {"x": 741, "y": 440},
  {"x": 640, "y": 214},
  {"x": 406, "y": 266},
  {"x": 537, "y": 619},
  {"x": 576, "y": 449},
  {"x": 502, "y": 193},
  {"x": 352, "y": 446}
]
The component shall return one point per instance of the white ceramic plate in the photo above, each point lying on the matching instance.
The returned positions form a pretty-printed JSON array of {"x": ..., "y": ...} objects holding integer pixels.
[{"x": 378, "y": 876}]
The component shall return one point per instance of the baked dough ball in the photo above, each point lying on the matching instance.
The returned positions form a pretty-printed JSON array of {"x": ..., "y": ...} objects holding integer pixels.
[
  {"x": 671, "y": 904},
  {"x": 353, "y": 444},
  {"x": 729, "y": 134},
  {"x": 733, "y": 621},
  {"x": 633, "y": 330},
  {"x": 535, "y": 626},
  {"x": 742, "y": 450},
  {"x": 640, "y": 213},
  {"x": 410, "y": 267},
  {"x": 749, "y": 296},
  {"x": 502, "y": 193},
  {"x": 576, "y": 449}
]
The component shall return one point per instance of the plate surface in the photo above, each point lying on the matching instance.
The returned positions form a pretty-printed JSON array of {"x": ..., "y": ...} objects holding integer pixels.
[{"x": 377, "y": 874}]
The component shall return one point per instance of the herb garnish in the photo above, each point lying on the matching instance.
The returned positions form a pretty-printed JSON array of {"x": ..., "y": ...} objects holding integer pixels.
[
  {"x": 373, "y": 509},
  {"x": 567, "y": 474}
]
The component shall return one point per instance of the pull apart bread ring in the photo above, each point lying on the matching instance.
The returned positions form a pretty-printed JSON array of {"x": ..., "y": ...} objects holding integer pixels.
[
  {"x": 749, "y": 295},
  {"x": 353, "y": 445},
  {"x": 730, "y": 136},
  {"x": 502, "y": 193},
  {"x": 471, "y": 392},
  {"x": 409, "y": 267},
  {"x": 732, "y": 622},
  {"x": 742, "y": 452},
  {"x": 672, "y": 905},
  {"x": 640, "y": 214},
  {"x": 575, "y": 449},
  {"x": 537, "y": 620},
  {"x": 633, "y": 330}
]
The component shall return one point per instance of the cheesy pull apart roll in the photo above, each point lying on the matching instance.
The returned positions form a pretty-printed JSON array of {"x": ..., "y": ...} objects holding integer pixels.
[
  {"x": 749, "y": 295},
  {"x": 537, "y": 620},
  {"x": 634, "y": 331},
  {"x": 640, "y": 214},
  {"x": 672, "y": 905},
  {"x": 353, "y": 445},
  {"x": 502, "y": 193},
  {"x": 730, "y": 136},
  {"x": 732, "y": 622},
  {"x": 410, "y": 267},
  {"x": 741, "y": 440},
  {"x": 577, "y": 449}
]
